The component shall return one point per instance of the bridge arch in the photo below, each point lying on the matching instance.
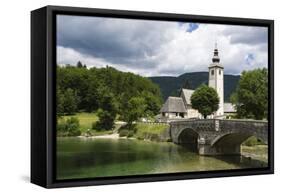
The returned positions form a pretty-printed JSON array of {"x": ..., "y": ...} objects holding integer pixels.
[
  {"x": 237, "y": 137},
  {"x": 189, "y": 138},
  {"x": 230, "y": 143}
]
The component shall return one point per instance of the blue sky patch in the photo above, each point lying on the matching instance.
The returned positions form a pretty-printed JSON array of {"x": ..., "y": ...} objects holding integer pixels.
[
  {"x": 250, "y": 59},
  {"x": 192, "y": 27}
]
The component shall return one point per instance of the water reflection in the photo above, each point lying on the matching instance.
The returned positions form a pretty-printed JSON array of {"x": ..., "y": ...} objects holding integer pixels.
[{"x": 86, "y": 157}]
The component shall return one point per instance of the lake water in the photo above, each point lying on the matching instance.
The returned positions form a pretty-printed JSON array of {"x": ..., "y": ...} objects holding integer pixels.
[{"x": 88, "y": 157}]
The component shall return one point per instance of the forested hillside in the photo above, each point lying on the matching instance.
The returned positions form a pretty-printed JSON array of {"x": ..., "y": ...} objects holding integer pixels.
[
  {"x": 86, "y": 90},
  {"x": 170, "y": 86}
]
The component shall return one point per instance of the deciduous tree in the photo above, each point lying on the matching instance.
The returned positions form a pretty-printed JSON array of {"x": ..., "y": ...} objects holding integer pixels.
[
  {"x": 251, "y": 95},
  {"x": 135, "y": 109},
  {"x": 70, "y": 101},
  {"x": 107, "y": 111},
  {"x": 205, "y": 99}
]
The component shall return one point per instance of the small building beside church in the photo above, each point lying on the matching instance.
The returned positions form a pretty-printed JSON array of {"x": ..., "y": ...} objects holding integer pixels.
[
  {"x": 174, "y": 108},
  {"x": 180, "y": 107},
  {"x": 229, "y": 110}
]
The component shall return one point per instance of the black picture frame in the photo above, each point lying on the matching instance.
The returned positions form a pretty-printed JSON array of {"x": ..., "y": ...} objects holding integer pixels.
[{"x": 43, "y": 85}]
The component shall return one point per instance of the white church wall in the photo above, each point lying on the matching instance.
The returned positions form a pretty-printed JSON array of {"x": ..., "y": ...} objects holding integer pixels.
[
  {"x": 192, "y": 113},
  {"x": 216, "y": 81}
]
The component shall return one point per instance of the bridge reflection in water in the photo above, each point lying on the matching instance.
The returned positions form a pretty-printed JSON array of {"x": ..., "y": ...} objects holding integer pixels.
[{"x": 217, "y": 136}]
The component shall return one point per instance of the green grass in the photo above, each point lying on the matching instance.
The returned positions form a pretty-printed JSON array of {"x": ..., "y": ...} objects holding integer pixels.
[
  {"x": 85, "y": 120},
  {"x": 252, "y": 141},
  {"x": 258, "y": 152},
  {"x": 148, "y": 130},
  {"x": 143, "y": 130}
]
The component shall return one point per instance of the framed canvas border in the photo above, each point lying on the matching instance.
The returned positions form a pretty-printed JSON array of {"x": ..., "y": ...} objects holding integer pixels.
[{"x": 43, "y": 95}]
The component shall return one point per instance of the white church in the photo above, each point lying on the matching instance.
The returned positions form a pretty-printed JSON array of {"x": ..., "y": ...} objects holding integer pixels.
[{"x": 180, "y": 107}]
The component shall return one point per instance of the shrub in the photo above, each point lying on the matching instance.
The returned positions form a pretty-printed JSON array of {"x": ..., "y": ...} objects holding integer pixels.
[
  {"x": 74, "y": 133},
  {"x": 252, "y": 141},
  {"x": 123, "y": 133},
  {"x": 130, "y": 134},
  {"x": 70, "y": 127},
  {"x": 128, "y": 130},
  {"x": 106, "y": 120},
  {"x": 61, "y": 126},
  {"x": 94, "y": 126}
]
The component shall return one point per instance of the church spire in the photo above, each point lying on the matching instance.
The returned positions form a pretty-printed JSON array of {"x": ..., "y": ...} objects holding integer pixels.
[
  {"x": 216, "y": 58},
  {"x": 216, "y": 80}
]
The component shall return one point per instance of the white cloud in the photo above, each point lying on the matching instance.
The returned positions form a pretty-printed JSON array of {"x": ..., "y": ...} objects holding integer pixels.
[
  {"x": 153, "y": 48},
  {"x": 71, "y": 56}
]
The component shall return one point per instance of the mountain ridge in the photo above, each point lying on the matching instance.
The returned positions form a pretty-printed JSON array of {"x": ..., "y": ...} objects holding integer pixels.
[{"x": 170, "y": 85}]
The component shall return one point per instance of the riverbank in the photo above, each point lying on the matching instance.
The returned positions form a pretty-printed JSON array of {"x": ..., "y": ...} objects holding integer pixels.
[
  {"x": 106, "y": 136},
  {"x": 142, "y": 136},
  {"x": 158, "y": 132},
  {"x": 256, "y": 152},
  {"x": 86, "y": 122}
]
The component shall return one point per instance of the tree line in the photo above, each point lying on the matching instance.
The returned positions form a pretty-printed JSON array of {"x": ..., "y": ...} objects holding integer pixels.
[{"x": 107, "y": 91}]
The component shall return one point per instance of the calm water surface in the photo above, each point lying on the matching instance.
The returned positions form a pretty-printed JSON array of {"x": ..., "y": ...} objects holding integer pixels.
[{"x": 87, "y": 157}]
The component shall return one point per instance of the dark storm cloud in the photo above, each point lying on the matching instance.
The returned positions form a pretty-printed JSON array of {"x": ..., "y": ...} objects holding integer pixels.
[{"x": 115, "y": 40}]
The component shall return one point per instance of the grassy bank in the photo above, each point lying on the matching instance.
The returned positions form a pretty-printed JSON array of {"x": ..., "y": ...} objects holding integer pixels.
[
  {"x": 150, "y": 131},
  {"x": 85, "y": 124},
  {"x": 258, "y": 152},
  {"x": 85, "y": 120},
  {"x": 142, "y": 131},
  {"x": 146, "y": 131}
]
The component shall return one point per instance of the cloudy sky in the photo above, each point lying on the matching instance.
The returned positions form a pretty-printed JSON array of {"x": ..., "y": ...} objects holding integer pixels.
[{"x": 154, "y": 48}]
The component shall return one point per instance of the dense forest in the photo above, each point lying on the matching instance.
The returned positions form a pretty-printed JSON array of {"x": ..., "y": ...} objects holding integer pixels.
[{"x": 81, "y": 89}]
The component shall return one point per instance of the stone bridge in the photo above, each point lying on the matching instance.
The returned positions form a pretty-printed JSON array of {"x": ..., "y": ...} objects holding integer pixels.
[{"x": 216, "y": 136}]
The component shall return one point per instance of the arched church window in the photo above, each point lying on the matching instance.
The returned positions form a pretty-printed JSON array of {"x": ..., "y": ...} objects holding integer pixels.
[
  {"x": 220, "y": 72},
  {"x": 212, "y": 72}
]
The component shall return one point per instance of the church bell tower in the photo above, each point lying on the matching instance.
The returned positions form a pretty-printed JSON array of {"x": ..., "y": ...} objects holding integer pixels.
[{"x": 216, "y": 80}]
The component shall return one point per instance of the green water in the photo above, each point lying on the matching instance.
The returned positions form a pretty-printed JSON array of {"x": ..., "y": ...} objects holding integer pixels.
[{"x": 87, "y": 157}]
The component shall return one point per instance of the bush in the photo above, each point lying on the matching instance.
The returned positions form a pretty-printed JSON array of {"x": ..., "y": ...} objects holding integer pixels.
[
  {"x": 123, "y": 133},
  {"x": 70, "y": 127},
  {"x": 130, "y": 134},
  {"x": 252, "y": 141},
  {"x": 61, "y": 126},
  {"x": 106, "y": 120},
  {"x": 127, "y": 130},
  {"x": 74, "y": 133},
  {"x": 94, "y": 126}
]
